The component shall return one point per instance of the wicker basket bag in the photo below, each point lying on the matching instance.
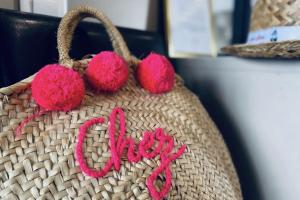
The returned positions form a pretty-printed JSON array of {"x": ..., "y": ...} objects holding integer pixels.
[{"x": 41, "y": 163}]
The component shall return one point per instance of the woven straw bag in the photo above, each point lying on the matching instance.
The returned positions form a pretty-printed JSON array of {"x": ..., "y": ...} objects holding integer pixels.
[{"x": 41, "y": 163}]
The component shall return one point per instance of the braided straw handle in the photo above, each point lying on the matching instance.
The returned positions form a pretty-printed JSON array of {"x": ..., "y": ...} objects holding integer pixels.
[
  {"x": 67, "y": 27},
  {"x": 64, "y": 39}
]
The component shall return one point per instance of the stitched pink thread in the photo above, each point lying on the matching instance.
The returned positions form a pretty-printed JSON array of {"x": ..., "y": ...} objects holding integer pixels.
[
  {"x": 27, "y": 120},
  {"x": 146, "y": 148}
]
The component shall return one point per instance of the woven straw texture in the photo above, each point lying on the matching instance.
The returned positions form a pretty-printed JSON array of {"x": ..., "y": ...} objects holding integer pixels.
[
  {"x": 41, "y": 163},
  {"x": 267, "y": 14},
  {"x": 270, "y": 13}
]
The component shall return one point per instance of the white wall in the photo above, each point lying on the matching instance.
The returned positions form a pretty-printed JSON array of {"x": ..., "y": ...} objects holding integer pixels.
[
  {"x": 136, "y": 14},
  {"x": 263, "y": 100},
  {"x": 126, "y": 13}
]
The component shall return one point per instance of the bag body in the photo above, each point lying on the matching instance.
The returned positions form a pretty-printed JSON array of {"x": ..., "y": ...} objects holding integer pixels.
[{"x": 41, "y": 163}]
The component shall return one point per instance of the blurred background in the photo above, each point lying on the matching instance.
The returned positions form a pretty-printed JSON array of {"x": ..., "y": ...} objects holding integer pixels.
[{"x": 254, "y": 102}]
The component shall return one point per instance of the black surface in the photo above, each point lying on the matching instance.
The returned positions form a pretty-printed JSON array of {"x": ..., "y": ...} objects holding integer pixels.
[
  {"x": 28, "y": 42},
  {"x": 241, "y": 20}
]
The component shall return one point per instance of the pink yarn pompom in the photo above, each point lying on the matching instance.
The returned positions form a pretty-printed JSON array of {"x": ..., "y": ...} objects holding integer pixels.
[
  {"x": 156, "y": 74},
  {"x": 57, "y": 88},
  {"x": 107, "y": 71}
]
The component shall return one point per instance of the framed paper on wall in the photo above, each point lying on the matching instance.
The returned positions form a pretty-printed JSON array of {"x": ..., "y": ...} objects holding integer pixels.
[{"x": 189, "y": 28}]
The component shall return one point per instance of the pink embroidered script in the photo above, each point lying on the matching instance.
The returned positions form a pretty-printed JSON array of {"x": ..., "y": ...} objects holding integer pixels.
[
  {"x": 27, "y": 120},
  {"x": 146, "y": 148}
]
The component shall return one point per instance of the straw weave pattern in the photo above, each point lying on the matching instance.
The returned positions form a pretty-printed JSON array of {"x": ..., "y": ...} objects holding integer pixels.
[
  {"x": 270, "y": 13},
  {"x": 286, "y": 49}
]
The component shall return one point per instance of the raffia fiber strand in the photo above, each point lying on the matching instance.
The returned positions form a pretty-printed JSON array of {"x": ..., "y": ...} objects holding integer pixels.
[{"x": 41, "y": 163}]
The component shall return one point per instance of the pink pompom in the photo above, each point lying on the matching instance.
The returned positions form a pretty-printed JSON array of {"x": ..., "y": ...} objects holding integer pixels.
[
  {"x": 156, "y": 74},
  {"x": 107, "y": 71},
  {"x": 57, "y": 88}
]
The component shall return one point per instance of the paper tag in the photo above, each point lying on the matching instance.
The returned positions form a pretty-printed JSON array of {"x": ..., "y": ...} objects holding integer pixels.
[{"x": 274, "y": 34}]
